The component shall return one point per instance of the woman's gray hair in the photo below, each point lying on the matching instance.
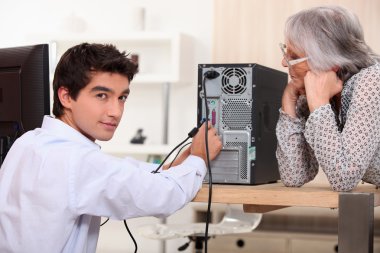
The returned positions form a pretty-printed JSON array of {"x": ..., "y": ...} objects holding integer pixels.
[{"x": 330, "y": 36}]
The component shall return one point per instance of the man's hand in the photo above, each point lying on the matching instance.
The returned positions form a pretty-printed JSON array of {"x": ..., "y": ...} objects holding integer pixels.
[
  {"x": 321, "y": 87},
  {"x": 198, "y": 146}
]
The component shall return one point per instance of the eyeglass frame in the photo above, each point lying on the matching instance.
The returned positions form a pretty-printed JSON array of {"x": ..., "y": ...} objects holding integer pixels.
[{"x": 291, "y": 62}]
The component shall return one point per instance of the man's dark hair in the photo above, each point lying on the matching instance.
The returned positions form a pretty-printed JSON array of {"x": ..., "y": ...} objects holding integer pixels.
[{"x": 79, "y": 62}]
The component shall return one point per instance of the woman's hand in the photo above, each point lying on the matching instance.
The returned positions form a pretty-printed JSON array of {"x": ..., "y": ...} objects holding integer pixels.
[
  {"x": 290, "y": 96},
  {"x": 321, "y": 87}
]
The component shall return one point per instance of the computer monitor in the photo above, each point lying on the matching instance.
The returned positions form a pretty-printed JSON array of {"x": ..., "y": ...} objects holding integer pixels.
[{"x": 24, "y": 91}]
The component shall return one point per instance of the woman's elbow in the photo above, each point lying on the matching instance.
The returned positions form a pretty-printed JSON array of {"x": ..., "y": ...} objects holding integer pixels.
[
  {"x": 343, "y": 187},
  {"x": 292, "y": 182},
  {"x": 294, "y": 179}
]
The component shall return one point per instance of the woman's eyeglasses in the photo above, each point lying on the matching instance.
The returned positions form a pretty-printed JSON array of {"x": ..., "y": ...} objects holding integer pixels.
[{"x": 291, "y": 62}]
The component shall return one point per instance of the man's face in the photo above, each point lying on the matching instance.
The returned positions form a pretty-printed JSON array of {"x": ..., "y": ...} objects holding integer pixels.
[{"x": 99, "y": 106}]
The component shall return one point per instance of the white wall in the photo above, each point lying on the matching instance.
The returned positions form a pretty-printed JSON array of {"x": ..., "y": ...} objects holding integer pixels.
[{"x": 25, "y": 22}]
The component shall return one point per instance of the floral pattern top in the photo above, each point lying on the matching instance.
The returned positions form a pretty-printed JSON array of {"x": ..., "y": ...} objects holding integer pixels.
[{"x": 344, "y": 144}]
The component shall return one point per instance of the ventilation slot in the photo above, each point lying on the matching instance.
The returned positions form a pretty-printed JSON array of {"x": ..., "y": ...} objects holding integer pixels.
[
  {"x": 234, "y": 81},
  {"x": 237, "y": 114},
  {"x": 243, "y": 157}
]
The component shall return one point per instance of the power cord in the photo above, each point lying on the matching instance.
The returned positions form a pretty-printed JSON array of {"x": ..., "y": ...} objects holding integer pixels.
[
  {"x": 130, "y": 234},
  {"x": 179, "y": 151},
  {"x": 105, "y": 221},
  {"x": 191, "y": 134},
  {"x": 210, "y": 74}
]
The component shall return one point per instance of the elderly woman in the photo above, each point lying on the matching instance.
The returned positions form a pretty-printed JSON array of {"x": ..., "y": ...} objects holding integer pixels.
[{"x": 330, "y": 115}]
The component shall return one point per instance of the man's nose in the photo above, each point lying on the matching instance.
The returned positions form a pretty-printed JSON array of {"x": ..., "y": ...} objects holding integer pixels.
[{"x": 115, "y": 108}]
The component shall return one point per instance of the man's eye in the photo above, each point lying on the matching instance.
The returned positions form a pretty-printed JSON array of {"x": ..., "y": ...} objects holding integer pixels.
[
  {"x": 101, "y": 95},
  {"x": 123, "y": 98}
]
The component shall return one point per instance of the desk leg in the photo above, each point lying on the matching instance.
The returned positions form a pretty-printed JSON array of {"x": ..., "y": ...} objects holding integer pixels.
[{"x": 355, "y": 225}]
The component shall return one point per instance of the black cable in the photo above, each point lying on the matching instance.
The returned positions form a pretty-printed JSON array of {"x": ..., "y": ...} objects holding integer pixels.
[
  {"x": 105, "y": 221},
  {"x": 166, "y": 158},
  {"x": 191, "y": 134},
  {"x": 211, "y": 74},
  {"x": 208, "y": 213},
  {"x": 179, "y": 151},
  {"x": 130, "y": 234}
]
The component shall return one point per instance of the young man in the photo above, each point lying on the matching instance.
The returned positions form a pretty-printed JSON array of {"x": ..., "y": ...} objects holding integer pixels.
[{"x": 56, "y": 184}]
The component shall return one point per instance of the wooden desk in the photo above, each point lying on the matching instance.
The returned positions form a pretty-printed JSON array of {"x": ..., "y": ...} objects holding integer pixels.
[{"x": 356, "y": 208}]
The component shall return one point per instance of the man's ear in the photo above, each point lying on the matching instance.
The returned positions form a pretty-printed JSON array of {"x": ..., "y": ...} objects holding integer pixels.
[{"x": 64, "y": 97}]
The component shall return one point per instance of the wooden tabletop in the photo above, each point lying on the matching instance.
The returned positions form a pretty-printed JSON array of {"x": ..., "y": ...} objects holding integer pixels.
[{"x": 268, "y": 197}]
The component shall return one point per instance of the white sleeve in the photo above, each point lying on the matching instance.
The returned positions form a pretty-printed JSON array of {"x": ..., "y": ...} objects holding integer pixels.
[
  {"x": 117, "y": 188},
  {"x": 149, "y": 167}
]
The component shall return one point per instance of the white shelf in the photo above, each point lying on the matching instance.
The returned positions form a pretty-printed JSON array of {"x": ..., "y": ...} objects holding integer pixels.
[{"x": 163, "y": 57}]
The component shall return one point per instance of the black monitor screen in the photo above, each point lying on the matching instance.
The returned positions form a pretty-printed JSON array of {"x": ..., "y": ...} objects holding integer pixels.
[{"x": 24, "y": 91}]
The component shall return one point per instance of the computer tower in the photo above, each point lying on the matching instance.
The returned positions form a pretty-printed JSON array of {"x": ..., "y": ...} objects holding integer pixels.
[{"x": 243, "y": 102}]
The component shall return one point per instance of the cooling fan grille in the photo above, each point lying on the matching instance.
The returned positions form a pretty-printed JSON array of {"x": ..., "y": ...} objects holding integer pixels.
[{"x": 234, "y": 81}]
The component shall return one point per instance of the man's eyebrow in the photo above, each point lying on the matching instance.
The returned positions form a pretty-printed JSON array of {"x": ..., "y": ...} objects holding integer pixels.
[
  {"x": 101, "y": 88},
  {"x": 105, "y": 89},
  {"x": 126, "y": 91}
]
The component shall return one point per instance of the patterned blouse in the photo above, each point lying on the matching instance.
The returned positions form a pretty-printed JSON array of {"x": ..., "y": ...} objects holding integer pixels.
[{"x": 344, "y": 144}]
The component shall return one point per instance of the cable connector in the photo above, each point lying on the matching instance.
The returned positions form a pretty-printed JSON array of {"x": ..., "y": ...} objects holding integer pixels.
[
  {"x": 191, "y": 134},
  {"x": 195, "y": 130},
  {"x": 211, "y": 74}
]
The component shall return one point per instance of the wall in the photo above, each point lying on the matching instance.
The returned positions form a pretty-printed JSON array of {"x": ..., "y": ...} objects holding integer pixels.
[
  {"x": 250, "y": 30},
  {"x": 26, "y": 22}
]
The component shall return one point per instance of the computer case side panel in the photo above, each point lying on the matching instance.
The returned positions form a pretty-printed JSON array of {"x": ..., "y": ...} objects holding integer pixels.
[{"x": 270, "y": 84}]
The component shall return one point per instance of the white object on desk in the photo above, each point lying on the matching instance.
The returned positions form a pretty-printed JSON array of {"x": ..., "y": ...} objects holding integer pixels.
[{"x": 234, "y": 221}]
